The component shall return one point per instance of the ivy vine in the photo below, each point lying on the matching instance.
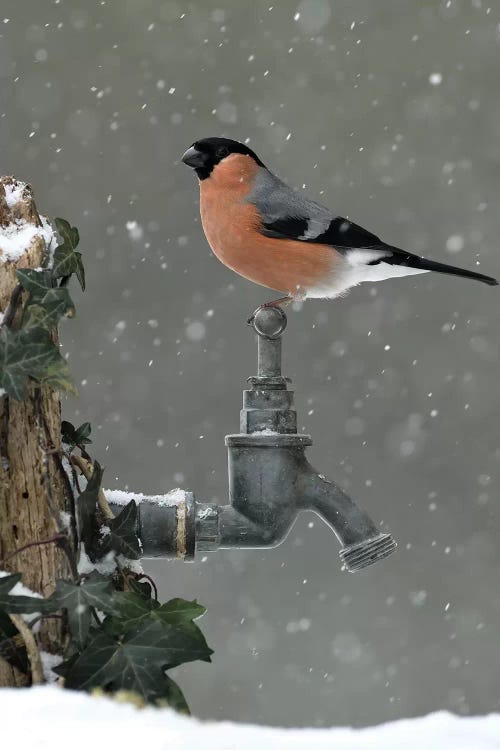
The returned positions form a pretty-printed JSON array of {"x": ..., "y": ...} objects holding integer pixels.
[
  {"x": 116, "y": 634},
  {"x": 30, "y": 351}
]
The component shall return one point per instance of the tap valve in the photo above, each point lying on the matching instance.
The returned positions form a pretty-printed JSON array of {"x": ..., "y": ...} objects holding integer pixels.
[{"x": 270, "y": 479}]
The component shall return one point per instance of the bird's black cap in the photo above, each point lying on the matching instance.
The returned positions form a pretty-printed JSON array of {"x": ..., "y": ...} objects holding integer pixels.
[{"x": 204, "y": 154}]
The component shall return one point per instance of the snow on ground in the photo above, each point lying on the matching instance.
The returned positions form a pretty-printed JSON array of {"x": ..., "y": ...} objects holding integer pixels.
[{"x": 59, "y": 718}]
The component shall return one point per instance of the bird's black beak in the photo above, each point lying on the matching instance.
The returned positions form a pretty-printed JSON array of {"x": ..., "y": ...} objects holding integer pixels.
[{"x": 194, "y": 158}]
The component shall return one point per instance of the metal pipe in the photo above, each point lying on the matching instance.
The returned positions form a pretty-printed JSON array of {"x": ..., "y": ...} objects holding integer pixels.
[
  {"x": 166, "y": 525},
  {"x": 270, "y": 480}
]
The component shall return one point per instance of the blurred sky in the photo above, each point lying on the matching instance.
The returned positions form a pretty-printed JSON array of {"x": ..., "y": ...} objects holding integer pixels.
[{"x": 389, "y": 113}]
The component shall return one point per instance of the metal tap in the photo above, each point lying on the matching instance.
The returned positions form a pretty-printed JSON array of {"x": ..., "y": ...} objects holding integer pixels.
[{"x": 270, "y": 479}]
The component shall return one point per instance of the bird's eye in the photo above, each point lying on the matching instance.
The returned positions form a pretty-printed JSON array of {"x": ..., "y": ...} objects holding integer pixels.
[{"x": 221, "y": 152}]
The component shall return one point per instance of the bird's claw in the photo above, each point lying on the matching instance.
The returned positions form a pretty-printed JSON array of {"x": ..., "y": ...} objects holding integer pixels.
[
  {"x": 251, "y": 319},
  {"x": 276, "y": 303}
]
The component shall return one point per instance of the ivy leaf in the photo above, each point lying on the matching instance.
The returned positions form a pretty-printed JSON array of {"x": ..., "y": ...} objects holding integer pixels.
[
  {"x": 73, "y": 436},
  {"x": 68, "y": 433},
  {"x": 187, "y": 643},
  {"x": 178, "y": 611},
  {"x": 58, "y": 376},
  {"x": 136, "y": 662},
  {"x": 13, "y": 604},
  {"x": 8, "y": 582},
  {"x": 30, "y": 353},
  {"x": 86, "y": 508},
  {"x": 37, "y": 283},
  {"x": 48, "y": 310},
  {"x": 175, "y": 697},
  {"x": 71, "y": 656},
  {"x": 122, "y": 537},
  {"x": 23, "y": 356},
  {"x": 37, "y": 315},
  {"x": 14, "y": 653},
  {"x": 143, "y": 588},
  {"x": 7, "y": 628},
  {"x": 67, "y": 260},
  {"x": 68, "y": 233},
  {"x": 82, "y": 434},
  {"x": 71, "y": 598},
  {"x": 78, "y": 600},
  {"x": 132, "y": 610}
]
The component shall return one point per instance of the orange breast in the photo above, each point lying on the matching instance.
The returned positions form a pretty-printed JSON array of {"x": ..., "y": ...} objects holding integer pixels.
[{"x": 232, "y": 225}]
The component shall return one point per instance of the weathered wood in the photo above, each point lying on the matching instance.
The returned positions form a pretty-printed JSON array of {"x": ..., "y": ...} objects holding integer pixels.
[{"x": 32, "y": 492}]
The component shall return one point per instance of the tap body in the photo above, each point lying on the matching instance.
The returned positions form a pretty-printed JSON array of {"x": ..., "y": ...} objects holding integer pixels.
[{"x": 270, "y": 480}]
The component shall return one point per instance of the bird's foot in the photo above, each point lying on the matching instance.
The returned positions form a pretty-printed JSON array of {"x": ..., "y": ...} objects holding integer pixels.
[{"x": 282, "y": 301}]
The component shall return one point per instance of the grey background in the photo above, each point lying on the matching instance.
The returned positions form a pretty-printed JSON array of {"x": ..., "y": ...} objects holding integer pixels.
[{"x": 394, "y": 114}]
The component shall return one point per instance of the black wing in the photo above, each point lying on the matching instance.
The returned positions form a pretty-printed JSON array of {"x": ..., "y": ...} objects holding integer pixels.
[
  {"x": 344, "y": 236},
  {"x": 339, "y": 232}
]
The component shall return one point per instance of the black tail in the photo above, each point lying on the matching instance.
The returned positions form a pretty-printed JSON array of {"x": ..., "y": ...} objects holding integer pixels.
[{"x": 415, "y": 261}]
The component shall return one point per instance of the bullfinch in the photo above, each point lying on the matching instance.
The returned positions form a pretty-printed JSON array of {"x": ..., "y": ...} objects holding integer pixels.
[{"x": 276, "y": 237}]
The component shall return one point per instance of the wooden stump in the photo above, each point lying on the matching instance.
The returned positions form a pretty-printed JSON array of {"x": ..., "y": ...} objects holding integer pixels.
[{"x": 32, "y": 490}]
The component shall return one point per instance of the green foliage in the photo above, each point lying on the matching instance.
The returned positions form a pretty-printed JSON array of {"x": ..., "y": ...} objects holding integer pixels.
[
  {"x": 88, "y": 523},
  {"x": 133, "y": 656},
  {"x": 67, "y": 260},
  {"x": 14, "y": 653},
  {"x": 75, "y": 437},
  {"x": 134, "y": 608},
  {"x": 30, "y": 352},
  {"x": 117, "y": 640},
  {"x": 120, "y": 533},
  {"x": 116, "y": 535},
  {"x": 17, "y": 604},
  {"x": 79, "y": 600}
]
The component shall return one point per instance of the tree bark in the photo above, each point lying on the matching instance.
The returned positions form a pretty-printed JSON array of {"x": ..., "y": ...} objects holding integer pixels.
[{"x": 32, "y": 489}]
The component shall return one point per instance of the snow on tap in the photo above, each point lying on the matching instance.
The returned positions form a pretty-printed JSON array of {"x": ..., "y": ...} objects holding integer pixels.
[{"x": 120, "y": 497}]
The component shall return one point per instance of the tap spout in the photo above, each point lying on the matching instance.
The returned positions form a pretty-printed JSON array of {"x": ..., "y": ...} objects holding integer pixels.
[
  {"x": 363, "y": 543},
  {"x": 270, "y": 482}
]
